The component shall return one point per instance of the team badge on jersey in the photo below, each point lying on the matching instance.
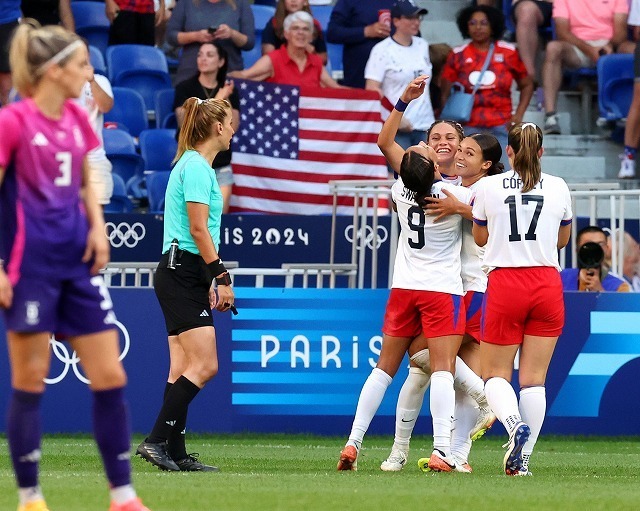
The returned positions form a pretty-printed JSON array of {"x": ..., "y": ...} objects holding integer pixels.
[{"x": 32, "y": 316}]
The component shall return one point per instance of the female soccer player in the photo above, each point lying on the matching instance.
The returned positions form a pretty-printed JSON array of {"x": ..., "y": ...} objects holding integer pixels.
[
  {"x": 53, "y": 246},
  {"x": 184, "y": 281},
  {"x": 426, "y": 294},
  {"x": 521, "y": 218}
]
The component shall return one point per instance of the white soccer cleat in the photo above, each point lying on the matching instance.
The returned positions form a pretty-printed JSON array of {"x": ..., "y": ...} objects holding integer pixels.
[
  {"x": 485, "y": 420},
  {"x": 396, "y": 461},
  {"x": 462, "y": 465}
]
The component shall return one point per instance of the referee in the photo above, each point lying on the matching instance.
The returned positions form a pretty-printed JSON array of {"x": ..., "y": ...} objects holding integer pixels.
[{"x": 185, "y": 278}]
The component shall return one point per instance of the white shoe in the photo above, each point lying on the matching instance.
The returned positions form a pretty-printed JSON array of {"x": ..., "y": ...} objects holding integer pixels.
[
  {"x": 551, "y": 125},
  {"x": 462, "y": 465},
  {"x": 396, "y": 461},
  {"x": 627, "y": 168},
  {"x": 485, "y": 420}
]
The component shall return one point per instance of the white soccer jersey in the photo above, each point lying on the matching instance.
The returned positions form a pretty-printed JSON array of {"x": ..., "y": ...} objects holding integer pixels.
[
  {"x": 473, "y": 277},
  {"x": 523, "y": 227},
  {"x": 394, "y": 66},
  {"x": 428, "y": 256}
]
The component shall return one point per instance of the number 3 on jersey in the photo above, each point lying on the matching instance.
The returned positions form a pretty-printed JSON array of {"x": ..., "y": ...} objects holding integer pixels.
[
  {"x": 64, "y": 179},
  {"x": 513, "y": 217}
]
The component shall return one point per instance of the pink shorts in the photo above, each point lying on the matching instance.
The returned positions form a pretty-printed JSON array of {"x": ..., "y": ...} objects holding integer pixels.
[
  {"x": 522, "y": 301},
  {"x": 410, "y": 312},
  {"x": 473, "y": 307}
]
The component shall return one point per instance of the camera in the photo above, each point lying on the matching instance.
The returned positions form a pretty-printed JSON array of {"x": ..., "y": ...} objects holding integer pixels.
[
  {"x": 590, "y": 255},
  {"x": 212, "y": 29}
]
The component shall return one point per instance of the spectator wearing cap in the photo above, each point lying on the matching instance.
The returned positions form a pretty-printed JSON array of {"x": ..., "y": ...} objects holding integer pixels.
[
  {"x": 293, "y": 63},
  {"x": 357, "y": 25},
  {"x": 397, "y": 60}
]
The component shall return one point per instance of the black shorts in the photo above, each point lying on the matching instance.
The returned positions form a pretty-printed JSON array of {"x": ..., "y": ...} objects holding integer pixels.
[
  {"x": 183, "y": 293},
  {"x": 133, "y": 28},
  {"x": 6, "y": 31},
  {"x": 636, "y": 63},
  {"x": 546, "y": 8}
]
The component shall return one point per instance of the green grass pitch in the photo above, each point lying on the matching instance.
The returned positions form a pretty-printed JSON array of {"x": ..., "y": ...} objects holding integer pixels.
[{"x": 297, "y": 472}]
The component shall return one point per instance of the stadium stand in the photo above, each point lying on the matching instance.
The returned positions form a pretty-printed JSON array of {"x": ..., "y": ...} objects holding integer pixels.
[
  {"x": 156, "y": 188},
  {"x": 128, "y": 112},
  {"x": 120, "y": 202},
  {"x": 97, "y": 60},
  {"x": 92, "y": 23},
  {"x": 165, "y": 116},
  {"x": 615, "y": 86},
  {"x": 158, "y": 147}
]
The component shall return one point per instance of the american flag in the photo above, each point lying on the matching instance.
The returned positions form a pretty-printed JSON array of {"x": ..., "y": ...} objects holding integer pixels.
[{"x": 293, "y": 140}]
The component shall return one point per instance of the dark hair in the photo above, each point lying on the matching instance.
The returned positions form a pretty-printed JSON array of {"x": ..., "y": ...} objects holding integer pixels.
[
  {"x": 525, "y": 138},
  {"x": 491, "y": 151},
  {"x": 589, "y": 229},
  {"x": 281, "y": 13},
  {"x": 495, "y": 17},
  {"x": 456, "y": 125},
  {"x": 221, "y": 75},
  {"x": 417, "y": 173}
]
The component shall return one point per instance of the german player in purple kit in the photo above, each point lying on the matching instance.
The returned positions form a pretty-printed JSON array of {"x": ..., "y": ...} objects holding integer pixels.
[
  {"x": 522, "y": 218},
  {"x": 53, "y": 244}
]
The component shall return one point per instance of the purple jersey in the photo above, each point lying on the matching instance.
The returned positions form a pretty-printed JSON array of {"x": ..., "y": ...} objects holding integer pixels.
[{"x": 43, "y": 225}]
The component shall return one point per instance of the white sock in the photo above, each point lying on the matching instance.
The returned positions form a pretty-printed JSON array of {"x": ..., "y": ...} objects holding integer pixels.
[
  {"x": 29, "y": 494},
  {"x": 122, "y": 494},
  {"x": 442, "y": 406},
  {"x": 533, "y": 408},
  {"x": 469, "y": 382},
  {"x": 368, "y": 403},
  {"x": 423, "y": 360},
  {"x": 503, "y": 401},
  {"x": 464, "y": 417},
  {"x": 409, "y": 404}
]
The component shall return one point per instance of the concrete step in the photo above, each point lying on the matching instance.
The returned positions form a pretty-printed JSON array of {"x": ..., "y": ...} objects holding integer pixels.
[
  {"x": 575, "y": 169},
  {"x": 439, "y": 25}
]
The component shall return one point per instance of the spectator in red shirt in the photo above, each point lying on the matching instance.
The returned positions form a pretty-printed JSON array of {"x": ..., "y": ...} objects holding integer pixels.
[
  {"x": 492, "y": 110},
  {"x": 133, "y": 21},
  {"x": 291, "y": 64}
]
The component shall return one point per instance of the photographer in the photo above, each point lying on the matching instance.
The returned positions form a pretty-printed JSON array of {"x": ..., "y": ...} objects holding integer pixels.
[{"x": 590, "y": 274}]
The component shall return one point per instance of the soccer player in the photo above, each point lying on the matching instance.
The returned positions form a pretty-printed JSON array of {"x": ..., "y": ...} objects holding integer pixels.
[
  {"x": 426, "y": 294},
  {"x": 521, "y": 218},
  {"x": 53, "y": 245}
]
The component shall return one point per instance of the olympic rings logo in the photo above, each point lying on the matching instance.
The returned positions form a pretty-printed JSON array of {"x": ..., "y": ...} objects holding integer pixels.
[
  {"x": 370, "y": 237},
  {"x": 124, "y": 234},
  {"x": 70, "y": 361}
]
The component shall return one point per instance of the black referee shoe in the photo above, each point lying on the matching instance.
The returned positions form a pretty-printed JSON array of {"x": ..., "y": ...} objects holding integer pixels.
[
  {"x": 191, "y": 464},
  {"x": 156, "y": 454}
]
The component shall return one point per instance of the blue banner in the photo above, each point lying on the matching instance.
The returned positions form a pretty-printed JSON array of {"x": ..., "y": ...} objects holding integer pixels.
[{"x": 294, "y": 360}]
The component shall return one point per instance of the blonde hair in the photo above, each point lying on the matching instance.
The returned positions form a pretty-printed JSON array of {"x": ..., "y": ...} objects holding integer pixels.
[
  {"x": 200, "y": 116},
  {"x": 34, "y": 49},
  {"x": 525, "y": 138}
]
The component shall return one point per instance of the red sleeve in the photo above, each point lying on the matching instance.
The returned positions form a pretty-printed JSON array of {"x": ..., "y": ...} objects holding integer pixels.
[
  {"x": 10, "y": 129},
  {"x": 449, "y": 71},
  {"x": 518, "y": 70}
]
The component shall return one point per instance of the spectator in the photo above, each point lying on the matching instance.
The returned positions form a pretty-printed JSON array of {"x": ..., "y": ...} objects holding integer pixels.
[
  {"x": 492, "y": 108},
  {"x": 630, "y": 258},
  {"x": 356, "y": 25},
  {"x": 632, "y": 128},
  {"x": 394, "y": 62},
  {"x": 50, "y": 12},
  {"x": 592, "y": 275},
  {"x": 162, "y": 19},
  {"x": 97, "y": 99},
  {"x": 585, "y": 30},
  {"x": 291, "y": 64},
  {"x": 210, "y": 82},
  {"x": 273, "y": 33},
  {"x": 133, "y": 21},
  {"x": 9, "y": 16},
  {"x": 529, "y": 17},
  {"x": 193, "y": 22}
]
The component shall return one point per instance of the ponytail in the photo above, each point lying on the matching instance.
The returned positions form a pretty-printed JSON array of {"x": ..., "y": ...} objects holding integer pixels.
[{"x": 526, "y": 141}]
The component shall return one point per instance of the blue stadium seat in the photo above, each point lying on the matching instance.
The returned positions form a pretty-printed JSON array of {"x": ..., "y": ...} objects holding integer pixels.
[
  {"x": 97, "y": 60},
  {"x": 139, "y": 67},
  {"x": 158, "y": 147},
  {"x": 334, "y": 57},
  {"x": 156, "y": 188},
  {"x": 127, "y": 163},
  {"x": 322, "y": 13},
  {"x": 120, "y": 202},
  {"x": 615, "y": 85},
  {"x": 250, "y": 57},
  {"x": 128, "y": 110},
  {"x": 261, "y": 15},
  {"x": 92, "y": 23},
  {"x": 165, "y": 115}
]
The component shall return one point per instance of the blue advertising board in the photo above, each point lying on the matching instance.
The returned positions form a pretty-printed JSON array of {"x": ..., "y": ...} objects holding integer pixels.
[{"x": 294, "y": 360}]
